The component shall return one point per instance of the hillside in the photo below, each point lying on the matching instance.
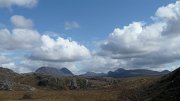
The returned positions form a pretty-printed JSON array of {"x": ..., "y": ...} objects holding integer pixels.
[
  {"x": 166, "y": 89},
  {"x": 7, "y": 72}
]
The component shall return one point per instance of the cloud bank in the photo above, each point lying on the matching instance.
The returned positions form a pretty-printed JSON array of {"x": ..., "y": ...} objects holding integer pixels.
[{"x": 147, "y": 45}]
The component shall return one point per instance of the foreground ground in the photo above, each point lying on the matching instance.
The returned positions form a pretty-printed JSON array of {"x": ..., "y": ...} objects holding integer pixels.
[{"x": 125, "y": 90}]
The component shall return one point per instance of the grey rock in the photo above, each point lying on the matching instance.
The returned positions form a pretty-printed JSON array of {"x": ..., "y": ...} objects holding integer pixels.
[
  {"x": 5, "y": 85},
  {"x": 73, "y": 84}
]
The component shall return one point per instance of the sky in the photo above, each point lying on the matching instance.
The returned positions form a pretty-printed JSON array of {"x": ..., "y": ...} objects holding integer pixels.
[{"x": 89, "y": 35}]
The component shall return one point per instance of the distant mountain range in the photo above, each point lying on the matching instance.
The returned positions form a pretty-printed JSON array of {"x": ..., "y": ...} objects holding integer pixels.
[
  {"x": 54, "y": 71},
  {"x": 93, "y": 74},
  {"x": 119, "y": 73},
  {"x": 122, "y": 73}
]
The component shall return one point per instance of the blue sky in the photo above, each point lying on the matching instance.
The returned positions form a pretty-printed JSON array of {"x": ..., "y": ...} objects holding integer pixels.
[
  {"x": 114, "y": 33},
  {"x": 96, "y": 18}
]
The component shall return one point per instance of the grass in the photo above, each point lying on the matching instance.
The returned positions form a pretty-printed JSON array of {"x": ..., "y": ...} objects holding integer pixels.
[
  {"x": 125, "y": 90},
  {"x": 40, "y": 95}
]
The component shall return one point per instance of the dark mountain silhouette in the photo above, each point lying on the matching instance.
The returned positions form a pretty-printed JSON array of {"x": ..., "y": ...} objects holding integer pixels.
[
  {"x": 166, "y": 89},
  {"x": 54, "y": 71},
  {"x": 137, "y": 72}
]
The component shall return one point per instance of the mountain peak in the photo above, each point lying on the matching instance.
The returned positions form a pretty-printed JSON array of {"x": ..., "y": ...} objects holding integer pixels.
[
  {"x": 54, "y": 71},
  {"x": 66, "y": 71}
]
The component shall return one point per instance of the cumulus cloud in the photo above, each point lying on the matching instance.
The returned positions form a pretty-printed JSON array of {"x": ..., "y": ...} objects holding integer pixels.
[
  {"x": 21, "y": 37},
  {"x": 39, "y": 49},
  {"x": 42, "y": 47},
  {"x": 18, "y": 39},
  {"x": 22, "y": 3},
  {"x": 71, "y": 25},
  {"x": 21, "y": 22},
  {"x": 98, "y": 64},
  {"x": 147, "y": 45},
  {"x": 60, "y": 50},
  {"x": 137, "y": 45},
  {"x": 133, "y": 40}
]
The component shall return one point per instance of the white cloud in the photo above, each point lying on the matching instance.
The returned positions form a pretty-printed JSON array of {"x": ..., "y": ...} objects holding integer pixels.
[
  {"x": 42, "y": 47},
  {"x": 21, "y": 22},
  {"x": 98, "y": 64},
  {"x": 136, "y": 45},
  {"x": 133, "y": 40},
  {"x": 4, "y": 59},
  {"x": 170, "y": 11},
  {"x": 18, "y": 39},
  {"x": 71, "y": 25},
  {"x": 7, "y": 62},
  {"x": 145, "y": 46},
  {"x": 22, "y": 3},
  {"x": 60, "y": 50},
  {"x": 39, "y": 50}
]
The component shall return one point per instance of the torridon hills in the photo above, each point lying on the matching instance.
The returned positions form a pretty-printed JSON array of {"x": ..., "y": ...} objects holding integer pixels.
[{"x": 62, "y": 85}]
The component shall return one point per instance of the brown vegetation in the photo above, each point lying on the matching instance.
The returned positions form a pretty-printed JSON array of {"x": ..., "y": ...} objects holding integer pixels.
[{"x": 121, "y": 91}]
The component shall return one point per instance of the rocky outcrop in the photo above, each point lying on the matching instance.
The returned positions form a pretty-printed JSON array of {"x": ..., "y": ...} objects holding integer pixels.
[
  {"x": 5, "y": 85},
  {"x": 7, "y": 72},
  {"x": 73, "y": 84},
  {"x": 59, "y": 83}
]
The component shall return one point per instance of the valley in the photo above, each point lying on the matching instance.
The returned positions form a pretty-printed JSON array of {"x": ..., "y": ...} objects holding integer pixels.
[
  {"x": 41, "y": 87},
  {"x": 89, "y": 50},
  {"x": 116, "y": 92}
]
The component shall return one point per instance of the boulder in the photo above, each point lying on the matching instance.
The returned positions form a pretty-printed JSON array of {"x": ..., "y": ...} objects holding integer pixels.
[{"x": 72, "y": 84}]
